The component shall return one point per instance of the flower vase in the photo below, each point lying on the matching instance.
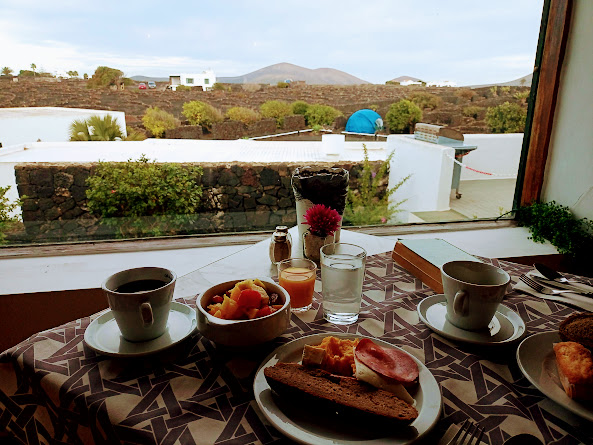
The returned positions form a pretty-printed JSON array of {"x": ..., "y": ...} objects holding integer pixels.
[{"x": 312, "y": 245}]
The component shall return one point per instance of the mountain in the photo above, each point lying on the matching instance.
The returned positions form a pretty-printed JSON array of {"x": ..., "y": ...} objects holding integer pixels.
[
  {"x": 401, "y": 79},
  {"x": 513, "y": 83},
  {"x": 282, "y": 71}
]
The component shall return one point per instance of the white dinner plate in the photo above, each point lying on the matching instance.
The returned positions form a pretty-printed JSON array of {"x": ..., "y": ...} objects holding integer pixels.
[
  {"x": 103, "y": 334},
  {"x": 537, "y": 362},
  {"x": 506, "y": 326},
  {"x": 307, "y": 428}
]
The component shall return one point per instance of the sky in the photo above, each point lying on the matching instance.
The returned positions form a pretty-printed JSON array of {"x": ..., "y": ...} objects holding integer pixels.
[{"x": 464, "y": 41}]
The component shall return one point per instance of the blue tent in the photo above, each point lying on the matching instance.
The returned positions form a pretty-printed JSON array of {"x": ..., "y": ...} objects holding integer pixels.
[{"x": 364, "y": 121}]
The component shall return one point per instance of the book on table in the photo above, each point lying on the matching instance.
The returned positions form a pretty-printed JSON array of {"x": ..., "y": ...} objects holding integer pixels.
[{"x": 424, "y": 258}]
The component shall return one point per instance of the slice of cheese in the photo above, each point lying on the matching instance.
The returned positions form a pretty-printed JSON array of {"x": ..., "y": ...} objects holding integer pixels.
[
  {"x": 366, "y": 374},
  {"x": 313, "y": 357}
]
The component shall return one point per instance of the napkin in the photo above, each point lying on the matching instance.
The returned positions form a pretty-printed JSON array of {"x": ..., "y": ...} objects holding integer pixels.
[
  {"x": 569, "y": 298},
  {"x": 450, "y": 433}
]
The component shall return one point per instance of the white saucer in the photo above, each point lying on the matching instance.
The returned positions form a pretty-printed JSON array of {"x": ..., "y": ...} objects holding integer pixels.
[
  {"x": 103, "y": 334},
  {"x": 506, "y": 326}
]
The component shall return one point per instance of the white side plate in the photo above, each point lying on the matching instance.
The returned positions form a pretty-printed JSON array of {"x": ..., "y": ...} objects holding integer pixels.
[{"x": 103, "y": 334}]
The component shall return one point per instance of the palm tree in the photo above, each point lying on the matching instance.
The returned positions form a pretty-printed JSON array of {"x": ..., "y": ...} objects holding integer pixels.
[
  {"x": 6, "y": 71},
  {"x": 33, "y": 68},
  {"x": 95, "y": 128}
]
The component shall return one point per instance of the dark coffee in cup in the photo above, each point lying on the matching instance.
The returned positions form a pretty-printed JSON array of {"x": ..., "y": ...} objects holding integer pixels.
[{"x": 140, "y": 286}]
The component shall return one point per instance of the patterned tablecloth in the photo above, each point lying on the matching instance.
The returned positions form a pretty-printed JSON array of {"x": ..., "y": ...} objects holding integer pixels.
[{"x": 53, "y": 388}]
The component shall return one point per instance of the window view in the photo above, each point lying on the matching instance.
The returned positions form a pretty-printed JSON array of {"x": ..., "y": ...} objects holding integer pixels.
[{"x": 400, "y": 113}]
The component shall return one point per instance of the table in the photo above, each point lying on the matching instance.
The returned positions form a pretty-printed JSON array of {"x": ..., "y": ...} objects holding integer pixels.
[{"x": 53, "y": 386}]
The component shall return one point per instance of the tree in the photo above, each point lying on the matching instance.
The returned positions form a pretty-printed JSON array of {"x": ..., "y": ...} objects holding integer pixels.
[
  {"x": 72, "y": 73},
  {"x": 402, "y": 116},
  {"x": 33, "y": 67},
  {"x": 95, "y": 128},
  {"x": 6, "y": 71},
  {"x": 104, "y": 77},
  {"x": 506, "y": 118},
  {"x": 277, "y": 109}
]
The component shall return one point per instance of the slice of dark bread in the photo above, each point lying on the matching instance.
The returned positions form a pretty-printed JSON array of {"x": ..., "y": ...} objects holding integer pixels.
[
  {"x": 344, "y": 395},
  {"x": 578, "y": 328}
]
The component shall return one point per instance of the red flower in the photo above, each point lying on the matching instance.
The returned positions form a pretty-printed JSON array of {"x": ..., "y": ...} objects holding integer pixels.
[{"x": 323, "y": 221}]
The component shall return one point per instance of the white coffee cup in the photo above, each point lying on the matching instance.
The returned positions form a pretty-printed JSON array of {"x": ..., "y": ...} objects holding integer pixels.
[
  {"x": 473, "y": 291},
  {"x": 140, "y": 300}
]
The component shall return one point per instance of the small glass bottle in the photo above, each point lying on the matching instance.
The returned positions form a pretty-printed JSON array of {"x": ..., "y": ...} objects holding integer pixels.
[{"x": 280, "y": 245}]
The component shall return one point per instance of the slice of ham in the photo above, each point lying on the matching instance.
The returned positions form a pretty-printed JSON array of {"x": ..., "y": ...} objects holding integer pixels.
[{"x": 390, "y": 363}]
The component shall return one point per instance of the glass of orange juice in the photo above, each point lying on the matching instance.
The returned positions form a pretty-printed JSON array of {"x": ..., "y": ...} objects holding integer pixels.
[{"x": 297, "y": 276}]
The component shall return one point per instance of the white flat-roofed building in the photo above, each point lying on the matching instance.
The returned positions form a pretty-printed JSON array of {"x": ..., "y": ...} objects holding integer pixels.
[{"x": 205, "y": 79}]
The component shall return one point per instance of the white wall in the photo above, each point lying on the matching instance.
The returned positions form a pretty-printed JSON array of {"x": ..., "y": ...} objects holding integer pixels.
[
  {"x": 568, "y": 177},
  {"x": 48, "y": 124},
  {"x": 498, "y": 154}
]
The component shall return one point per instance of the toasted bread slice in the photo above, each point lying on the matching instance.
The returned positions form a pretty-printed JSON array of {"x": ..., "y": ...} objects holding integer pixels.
[{"x": 575, "y": 369}]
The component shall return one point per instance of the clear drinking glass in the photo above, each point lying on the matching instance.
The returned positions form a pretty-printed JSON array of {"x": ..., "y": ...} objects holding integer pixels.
[
  {"x": 297, "y": 276},
  {"x": 342, "y": 274}
]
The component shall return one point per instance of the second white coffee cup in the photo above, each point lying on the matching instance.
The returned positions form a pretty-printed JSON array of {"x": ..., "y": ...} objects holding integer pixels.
[{"x": 473, "y": 291}]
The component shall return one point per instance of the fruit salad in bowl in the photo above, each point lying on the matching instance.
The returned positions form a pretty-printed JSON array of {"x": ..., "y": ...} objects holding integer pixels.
[{"x": 243, "y": 312}]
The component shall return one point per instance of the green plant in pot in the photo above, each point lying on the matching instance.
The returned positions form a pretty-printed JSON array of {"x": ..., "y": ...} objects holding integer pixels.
[{"x": 323, "y": 222}]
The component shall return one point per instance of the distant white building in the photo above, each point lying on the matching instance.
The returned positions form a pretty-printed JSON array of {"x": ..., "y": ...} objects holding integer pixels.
[
  {"x": 441, "y": 83},
  {"x": 205, "y": 79},
  {"x": 409, "y": 82}
]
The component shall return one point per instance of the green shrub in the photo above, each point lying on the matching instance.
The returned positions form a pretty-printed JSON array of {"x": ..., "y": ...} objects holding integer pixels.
[
  {"x": 506, "y": 118},
  {"x": 505, "y": 90},
  {"x": 299, "y": 107},
  {"x": 7, "y": 221},
  {"x": 425, "y": 100},
  {"x": 557, "y": 224},
  {"x": 472, "y": 111},
  {"x": 522, "y": 95},
  {"x": 276, "y": 109},
  {"x": 392, "y": 82},
  {"x": 242, "y": 114},
  {"x": 365, "y": 206},
  {"x": 104, "y": 77},
  {"x": 158, "y": 121},
  {"x": 321, "y": 114},
  {"x": 95, "y": 128},
  {"x": 220, "y": 87},
  {"x": 143, "y": 198},
  {"x": 201, "y": 113},
  {"x": 134, "y": 134},
  {"x": 282, "y": 84},
  {"x": 402, "y": 116},
  {"x": 183, "y": 88},
  {"x": 466, "y": 93}
]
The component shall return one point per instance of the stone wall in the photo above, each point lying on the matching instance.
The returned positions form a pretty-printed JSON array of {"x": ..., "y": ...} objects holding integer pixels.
[{"x": 236, "y": 198}]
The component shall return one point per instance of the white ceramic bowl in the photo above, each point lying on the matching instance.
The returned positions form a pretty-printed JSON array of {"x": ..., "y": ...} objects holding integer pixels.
[{"x": 242, "y": 332}]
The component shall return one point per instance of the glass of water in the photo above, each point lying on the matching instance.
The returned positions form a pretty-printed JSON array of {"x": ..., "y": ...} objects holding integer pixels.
[{"x": 342, "y": 274}]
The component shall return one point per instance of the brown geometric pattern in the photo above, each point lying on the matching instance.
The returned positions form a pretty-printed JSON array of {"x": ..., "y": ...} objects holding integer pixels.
[{"x": 54, "y": 389}]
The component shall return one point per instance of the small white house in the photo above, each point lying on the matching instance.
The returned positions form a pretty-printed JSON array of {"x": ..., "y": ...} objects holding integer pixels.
[
  {"x": 205, "y": 79},
  {"x": 441, "y": 83},
  {"x": 409, "y": 82}
]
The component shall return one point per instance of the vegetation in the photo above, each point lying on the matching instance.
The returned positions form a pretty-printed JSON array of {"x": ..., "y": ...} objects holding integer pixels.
[
  {"x": 158, "y": 121},
  {"x": 282, "y": 84},
  {"x": 134, "y": 135},
  {"x": 276, "y": 109},
  {"x": 183, "y": 88},
  {"x": 243, "y": 114},
  {"x": 321, "y": 115},
  {"x": 402, "y": 116},
  {"x": 96, "y": 128},
  {"x": 506, "y": 118},
  {"x": 472, "y": 111},
  {"x": 7, "y": 221},
  {"x": 366, "y": 206},
  {"x": 220, "y": 87},
  {"x": 557, "y": 224},
  {"x": 522, "y": 95},
  {"x": 299, "y": 107},
  {"x": 72, "y": 73},
  {"x": 466, "y": 93},
  {"x": 105, "y": 77},
  {"x": 425, "y": 100},
  {"x": 143, "y": 198},
  {"x": 6, "y": 71},
  {"x": 201, "y": 113}
]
